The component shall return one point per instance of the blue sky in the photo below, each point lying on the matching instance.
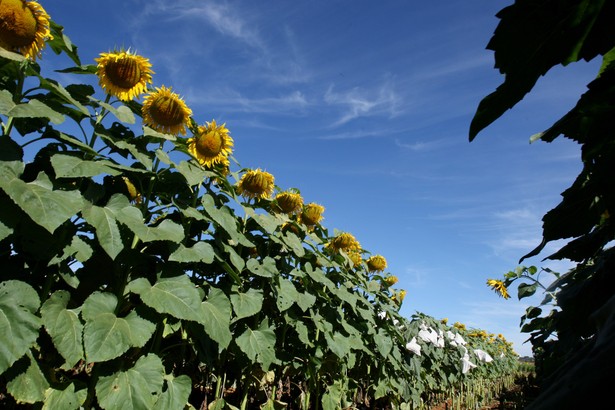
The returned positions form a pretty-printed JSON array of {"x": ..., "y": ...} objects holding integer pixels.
[{"x": 365, "y": 107}]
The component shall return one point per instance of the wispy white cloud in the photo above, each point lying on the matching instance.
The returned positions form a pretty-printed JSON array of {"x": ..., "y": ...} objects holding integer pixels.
[
  {"x": 359, "y": 102},
  {"x": 423, "y": 146},
  {"x": 230, "y": 100}
]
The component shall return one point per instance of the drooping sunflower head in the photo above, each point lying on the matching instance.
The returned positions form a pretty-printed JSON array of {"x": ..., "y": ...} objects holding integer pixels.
[
  {"x": 376, "y": 263},
  {"x": 499, "y": 287},
  {"x": 355, "y": 257},
  {"x": 123, "y": 74},
  {"x": 211, "y": 144},
  {"x": 312, "y": 214},
  {"x": 459, "y": 325},
  {"x": 165, "y": 111},
  {"x": 391, "y": 280},
  {"x": 24, "y": 27},
  {"x": 256, "y": 184},
  {"x": 345, "y": 242},
  {"x": 399, "y": 297},
  {"x": 288, "y": 202}
]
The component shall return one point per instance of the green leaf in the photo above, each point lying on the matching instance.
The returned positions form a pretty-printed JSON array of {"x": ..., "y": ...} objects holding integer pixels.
[
  {"x": 106, "y": 336},
  {"x": 193, "y": 173},
  {"x": 305, "y": 301},
  {"x": 332, "y": 398},
  {"x": 47, "y": 207},
  {"x": 166, "y": 231},
  {"x": 247, "y": 304},
  {"x": 266, "y": 269},
  {"x": 57, "y": 89},
  {"x": 338, "y": 344},
  {"x": 66, "y": 399},
  {"x": 199, "y": 252},
  {"x": 29, "y": 386},
  {"x": 71, "y": 166},
  {"x": 383, "y": 342},
  {"x": 107, "y": 230},
  {"x": 176, "y": 296},
  {"x": 287, "y": 295},
  {"x": 31, "y": 109},
  {"x": 216, "y": 317},
  {"x": 236, "y": 260},
  {"x": 137, "y": 388},
  {"x": 225, "y": 218},
  {"x": 525, "y": 290},
  {"x": 122, "y": 113},
  {"x": 176, "y": 394},
  {"x": 64, "y": 327},
  {"x": 19, "y": 326},
  {"x": 78, "y": 248},
  {"x": 149, "y": 132},
  {"x": 258, "y": 345}
]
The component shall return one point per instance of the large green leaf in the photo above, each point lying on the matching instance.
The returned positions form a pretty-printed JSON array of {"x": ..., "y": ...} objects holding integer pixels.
[
  {"x": 30, "y": 385},
  {"x": 64, "y": 327},
  {"x": 166, "y": 231},
  {"x": 266, "y": 268},
  {"x": 534, "y": 36},
  {"x": 19, "y": 325},
  {"x": 137, "y": 388},
  {"x": 31, "y": 109},
  {"x": 216, "y": 317},
  {"x": 103, "y": 221},
  {"x": 65, "y": 399},
  {"x": 199, "y": 252},
  {"x": 287, "y": 295},
  {"x": 176, "y": 393},
  {"x": 176, "y": 296},
  {"x": 106, "y": 336},
  {"x": 248, "y": 303},
  {"x": 47, "y": 207},
  {"x": 225, "y": 218},
  {"x": 122, "y": 112},
  {"x": 259, "y": 344},
  {"x": 72, "y": 166}
]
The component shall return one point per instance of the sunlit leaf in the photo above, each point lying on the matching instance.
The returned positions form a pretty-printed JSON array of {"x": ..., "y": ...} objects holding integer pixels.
[
  {"x": 176, "y": 296},
  {"x": 47, "y": 207},
  {"x": 176, "y": 393},
  {"x": 29, "y": 386},
  {"x": 248, "y": 303},
  {"x": 258, "y": 344},
  {"x": 66, "y": 399},
  {"x": 106, "y": 336},
  {"x": 216, "y": 317},
  {"x": 19, "y": 324},
  {"x": 64, "y": 327},
  {"x": 31, "y": 109},
  {"x": 199, "y": 252},
  {"x": 134, "y": 389}
]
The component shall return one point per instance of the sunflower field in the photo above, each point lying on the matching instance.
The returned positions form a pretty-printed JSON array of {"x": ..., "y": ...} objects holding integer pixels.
[{"x": 142, "y": 268}]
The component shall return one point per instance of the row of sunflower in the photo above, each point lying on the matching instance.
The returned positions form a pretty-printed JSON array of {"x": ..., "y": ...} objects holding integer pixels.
[{"x": 137, "y": 276}]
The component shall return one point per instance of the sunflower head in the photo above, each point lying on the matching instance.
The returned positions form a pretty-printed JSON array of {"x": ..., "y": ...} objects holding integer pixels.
[
  {"x": 123, "y": 74},
  {"x": 211, "y": 144},
  {"x": 377, "y": 263},
  {"x": 312, "y": 214},
  {"x": 398, "y": 298},
  {"x": 288, "y": 202},
  {"x": 24, "y": 27},
  {"x": 499, "y": 287},
  {"x": 459, "y": 325},
  {"x": 390, "y": 280},
  {"x": 345, "y": 242},
  {"x": 444, "y": 321},
  {"x": 256, "y": 184},
  {"x": 165, "y": 111},
  {"x": 355, "y": 257}
]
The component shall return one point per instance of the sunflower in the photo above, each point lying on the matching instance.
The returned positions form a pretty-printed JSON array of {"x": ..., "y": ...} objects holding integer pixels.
[
  {"x": 312, "y": 214},
  {"x": 355, "y": 257},
  {"x": 399, "y": 297},
  {"x": 499, "y": 287},
  {"x": 24, "y": 27},
  {"x": 391, "y": 280},
  {"x": 256, "y": 184},
  {"x": 377, "y": 263},
  {"x": 123, "y": 74},
  {"x": 165, "y": 111},
  {"x": 345, "y": 242},
  {"x": 289, "y": 202},
  {"x": 211, "y": 144}
]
